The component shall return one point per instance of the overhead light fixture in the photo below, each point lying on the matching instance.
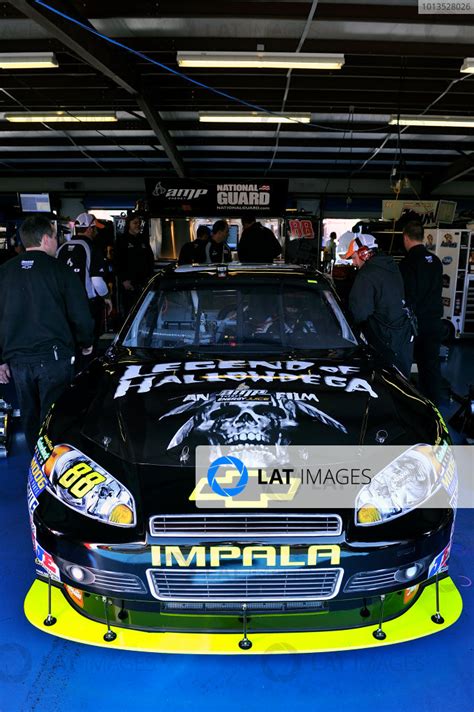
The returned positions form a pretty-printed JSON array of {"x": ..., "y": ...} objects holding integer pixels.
[
  {"x": 459, "y": 121},
  {"x": 261, "y": 60},
  {"x": 253, "y": 117},
  {"x": 57, "y": 116},
  {"x": 28, "y": 60},
  {"x": 468, "y": 66}
]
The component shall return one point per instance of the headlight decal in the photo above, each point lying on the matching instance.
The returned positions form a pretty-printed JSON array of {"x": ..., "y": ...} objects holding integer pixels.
[
  {"x": 84, "y": 486},
  {"x": 407, "y": 482}
]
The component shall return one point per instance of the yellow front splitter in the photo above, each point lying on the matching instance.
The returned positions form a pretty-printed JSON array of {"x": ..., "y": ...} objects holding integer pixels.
[{"x": 415, "y": 623}]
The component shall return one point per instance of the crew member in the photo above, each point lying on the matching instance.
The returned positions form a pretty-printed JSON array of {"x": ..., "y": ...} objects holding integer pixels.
[
  {"x": 217, "y": 249},
  {"x": 44, "y": 314},
  {"x": 134, "y": 262},
  {"x": 422, "y": 274},
  {"x": 257, "y": 242},
  {"x": 376, "y": 302},
  {"x": 195, "y": 250},
  {"x": 86, "y": 260}
]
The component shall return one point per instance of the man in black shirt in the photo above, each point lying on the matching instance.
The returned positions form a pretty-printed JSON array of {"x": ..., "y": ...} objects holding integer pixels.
[
  {"x": 195, "y": 250},
  {"x": 257, "y": 243},
  {"x": 134, "y": 262},
  {"x": 422, "y": 274},
  {"x": 376, "y": 303},
  {"x": 43, "y": 314},
  {"x": 217, "y": 250}
]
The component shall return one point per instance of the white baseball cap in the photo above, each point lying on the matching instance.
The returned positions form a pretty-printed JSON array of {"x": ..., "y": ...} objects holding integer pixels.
[{"x": 86, "y": 220}]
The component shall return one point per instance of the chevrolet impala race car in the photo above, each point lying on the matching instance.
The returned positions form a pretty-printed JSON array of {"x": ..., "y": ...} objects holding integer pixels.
[{"x": 240, "y": 360}]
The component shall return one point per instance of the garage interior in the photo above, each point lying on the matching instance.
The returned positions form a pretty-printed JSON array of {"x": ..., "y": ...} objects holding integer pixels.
[{"x": 350, "y": 149}]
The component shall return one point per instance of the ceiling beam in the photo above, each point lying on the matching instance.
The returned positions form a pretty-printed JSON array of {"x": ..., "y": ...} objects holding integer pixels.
[
  {"x": 458, "y": 169},
  {"x": 104, "y": 58},
  {"x": 208, "y": 9}
]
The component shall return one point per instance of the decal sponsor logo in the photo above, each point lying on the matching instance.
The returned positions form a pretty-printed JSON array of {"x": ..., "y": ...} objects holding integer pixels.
[
  {"x": 440, "y": 562},
  {"x": 32, "y": 501},
  {"x": 36, "y": 478},
  {"x": 447, "y": 260},
  {"x": 410, "y": 593},
  {"x": 46, "y": 561},
  {"x": 76, "y": 595},
  {"x": 215, "y": 556},
  {"x": 43, "y": 450}
]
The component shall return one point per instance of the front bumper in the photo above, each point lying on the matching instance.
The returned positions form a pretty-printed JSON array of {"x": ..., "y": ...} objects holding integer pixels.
[{"x": 416, "y": 622}]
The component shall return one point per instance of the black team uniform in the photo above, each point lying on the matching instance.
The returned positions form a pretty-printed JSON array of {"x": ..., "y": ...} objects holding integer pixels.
[
  {"x": 44, "y": 313},
  {"x": 217, "y": 252},
  {"x": 376, "y": 303},
  {"x": 258, "y": 244},
  {"x": 422, "y": 274}
]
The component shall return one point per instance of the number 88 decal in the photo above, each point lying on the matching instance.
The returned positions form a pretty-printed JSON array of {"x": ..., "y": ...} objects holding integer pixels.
[{"x": 80, "y": 479}]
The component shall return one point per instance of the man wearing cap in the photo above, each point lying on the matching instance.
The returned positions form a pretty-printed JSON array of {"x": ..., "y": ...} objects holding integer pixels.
[
  {"x": 376, "y": 302},
  {"x": 86, "y": 260}
]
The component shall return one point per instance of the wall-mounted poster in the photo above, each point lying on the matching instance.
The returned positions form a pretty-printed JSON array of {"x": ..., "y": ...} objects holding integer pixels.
[
  {"x": 448, "y": 245},
  {"x": 425, "y": 209},
  {"x": 429, "y": 240}
]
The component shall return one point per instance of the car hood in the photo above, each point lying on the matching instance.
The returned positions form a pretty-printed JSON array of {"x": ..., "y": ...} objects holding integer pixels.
[{"x": 157, "y": 412}]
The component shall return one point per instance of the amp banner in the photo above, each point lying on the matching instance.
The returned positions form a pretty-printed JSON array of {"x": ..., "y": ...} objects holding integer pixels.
[{"x": 168, "y": 197}]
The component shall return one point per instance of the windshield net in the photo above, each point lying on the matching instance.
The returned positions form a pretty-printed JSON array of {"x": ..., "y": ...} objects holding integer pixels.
[{"x": 251, "y": 316}]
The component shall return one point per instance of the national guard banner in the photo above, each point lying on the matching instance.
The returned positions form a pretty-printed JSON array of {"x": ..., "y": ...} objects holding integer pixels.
[{"x": 175, "y": 197}]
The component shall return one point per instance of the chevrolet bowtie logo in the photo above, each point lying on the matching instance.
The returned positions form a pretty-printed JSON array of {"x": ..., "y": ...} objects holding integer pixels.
[{"x": 260, "y": 499}]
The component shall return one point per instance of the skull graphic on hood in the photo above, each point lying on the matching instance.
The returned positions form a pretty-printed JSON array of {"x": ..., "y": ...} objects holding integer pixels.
[{"x": 252, "y": 428}]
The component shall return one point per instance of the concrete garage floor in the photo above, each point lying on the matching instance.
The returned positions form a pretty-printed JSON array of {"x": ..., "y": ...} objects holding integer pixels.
[{"x": 41, "y": 672}]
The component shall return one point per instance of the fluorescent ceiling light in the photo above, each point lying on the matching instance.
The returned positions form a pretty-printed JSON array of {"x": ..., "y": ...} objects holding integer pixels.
[
  {"x": 27, "y": 60},
  {"x": 468, "y": 66},
  {"x": 253, "y": 117},
  {"x": 56, "y": 116},
  {"x": 261, "y": 60},
  {"x": 460, "y": 121}
]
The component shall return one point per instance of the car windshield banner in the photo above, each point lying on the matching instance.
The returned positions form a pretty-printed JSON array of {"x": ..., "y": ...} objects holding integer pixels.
[{"x": 175, "y": 197}]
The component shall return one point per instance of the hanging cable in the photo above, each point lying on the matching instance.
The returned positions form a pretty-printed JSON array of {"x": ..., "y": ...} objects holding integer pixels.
[{"x": 303, "y": 37}]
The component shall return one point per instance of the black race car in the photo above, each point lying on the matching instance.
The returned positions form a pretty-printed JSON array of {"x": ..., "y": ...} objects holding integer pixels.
[{"x": 239, "y": 359}]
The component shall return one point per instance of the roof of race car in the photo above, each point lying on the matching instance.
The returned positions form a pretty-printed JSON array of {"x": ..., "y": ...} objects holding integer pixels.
[{"x": 236, "y": 267}]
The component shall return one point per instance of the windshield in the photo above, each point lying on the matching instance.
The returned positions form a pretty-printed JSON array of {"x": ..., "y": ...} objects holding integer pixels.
[{"x": 250, "y": 316}]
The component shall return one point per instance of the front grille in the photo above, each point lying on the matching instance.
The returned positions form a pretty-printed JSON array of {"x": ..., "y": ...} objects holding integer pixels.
[
  {"x": 244, "y": 584},
  {"x": 371, "y": 580},
  {"x": 112, "y": 582},
  {"x": 234, "y": 607},
  {"x": 237, "y": 526}
]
